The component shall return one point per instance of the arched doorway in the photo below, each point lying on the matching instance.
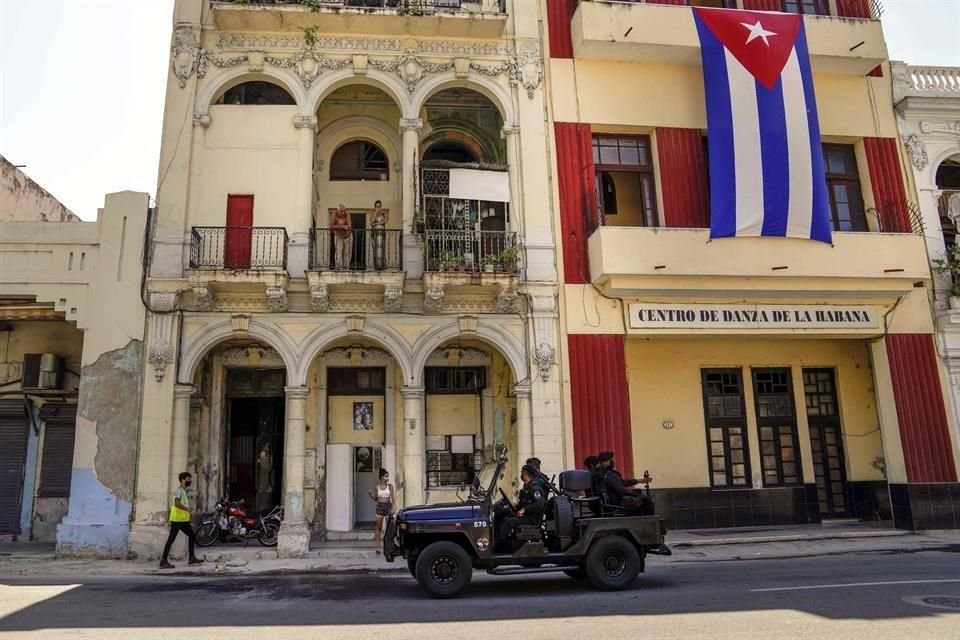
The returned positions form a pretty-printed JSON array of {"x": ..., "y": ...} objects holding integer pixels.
[{"x": 948, "y": 182}]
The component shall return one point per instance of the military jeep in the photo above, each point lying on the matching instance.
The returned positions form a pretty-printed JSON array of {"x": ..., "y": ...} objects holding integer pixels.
[{"x": 579, "y": 536}]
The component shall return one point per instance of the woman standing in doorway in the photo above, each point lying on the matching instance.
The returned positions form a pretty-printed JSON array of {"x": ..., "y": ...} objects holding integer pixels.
[
  {"x": 385, "y": 499},
  {"x": 379, "y": 226}
]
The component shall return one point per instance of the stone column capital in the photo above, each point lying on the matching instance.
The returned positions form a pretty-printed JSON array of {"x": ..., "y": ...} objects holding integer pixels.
[
  {"x": 411, "y": 124},
  {"x": 305, "y": 122},
  {"x": 296, "y": 392},
  {"x": 412, "y": 393},
  {"x": 523, "y": 391},
  {"x": 510, "y": 130},
  {"x": 183, "y": 391}
]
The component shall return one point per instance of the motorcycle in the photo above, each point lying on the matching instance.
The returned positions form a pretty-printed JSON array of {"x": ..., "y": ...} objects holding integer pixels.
[{"x": 231, "y": 519}]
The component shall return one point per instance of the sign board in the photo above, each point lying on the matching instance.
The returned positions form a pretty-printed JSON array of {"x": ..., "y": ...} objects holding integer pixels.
[{"x": 752, "y": 316}]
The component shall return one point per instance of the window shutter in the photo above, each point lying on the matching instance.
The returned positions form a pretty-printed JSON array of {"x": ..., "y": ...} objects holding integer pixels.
[
  {"x": 56, "y": 463},
  {"x": 683, "y": 178}
]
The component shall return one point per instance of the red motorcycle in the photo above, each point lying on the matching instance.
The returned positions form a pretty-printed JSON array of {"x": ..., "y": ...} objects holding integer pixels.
[{"x": 232, "y": 520}]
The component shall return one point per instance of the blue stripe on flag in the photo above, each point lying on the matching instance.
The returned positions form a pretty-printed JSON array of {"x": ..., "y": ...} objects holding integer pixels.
[
  {"x": 775, "y": 159},
  {"x": 821, "y": 225},
  {"x": 723, "y": 200}
]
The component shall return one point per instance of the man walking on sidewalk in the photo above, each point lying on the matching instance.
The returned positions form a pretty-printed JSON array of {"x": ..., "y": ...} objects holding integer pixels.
[{"x": 180, "y": 514}]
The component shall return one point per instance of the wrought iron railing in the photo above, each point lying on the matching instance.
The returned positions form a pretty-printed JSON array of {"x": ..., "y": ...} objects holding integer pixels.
[
  {"x": 409, "y": 7},
  {"x": 869, "y": 9},
  {"x": 471, "y": 251},
  {"x": 441, "y": 212},
  {"x": 238, "y": 248},
  {"x": 362, "y": 250},
  {"x": 898, "y": 217}
]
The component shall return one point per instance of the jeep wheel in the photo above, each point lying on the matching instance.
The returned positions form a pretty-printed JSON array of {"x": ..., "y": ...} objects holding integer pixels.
[
  {"x": 576, "y": 574},
  {"x": 444, "y": 569},
  {"x": 612, "y": 563},
  {"x": 412, "y": 565}
]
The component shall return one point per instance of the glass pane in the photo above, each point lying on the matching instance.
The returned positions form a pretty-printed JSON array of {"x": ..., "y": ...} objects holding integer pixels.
[
  {"x": 716, "y": 434},
  {"x": 629, "y": 155},
  {"x": 736, "y": 442},
  {"x": 786, "y": 440},
  {"x": 787, "y": 454},
  {"x": 716, "y": 448},
  {"x": 719, "y": 479},
  {"x": 789, "y": 468},
  {"x": 739, "y": 481},
  {"x": 739, "y": 470},
  {"x": 736, "y": 455},
  {"x": 766, "y": 433},
  {"x": 609, "y": 155},
  {"x": 769, "y": 462},
  {"x": 719, "y": 465},
  {"x": 768, "y": 447}
]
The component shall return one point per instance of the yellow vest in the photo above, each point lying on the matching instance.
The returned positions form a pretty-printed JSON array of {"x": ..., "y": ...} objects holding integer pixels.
[{"x": 177, "y": 514}]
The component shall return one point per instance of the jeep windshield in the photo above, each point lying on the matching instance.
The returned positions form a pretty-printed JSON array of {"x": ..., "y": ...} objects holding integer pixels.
[{"x": 485, "y": 480}]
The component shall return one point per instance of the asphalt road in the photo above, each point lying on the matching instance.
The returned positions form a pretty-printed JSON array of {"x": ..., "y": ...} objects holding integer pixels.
[{"x": 869, "y": 596}]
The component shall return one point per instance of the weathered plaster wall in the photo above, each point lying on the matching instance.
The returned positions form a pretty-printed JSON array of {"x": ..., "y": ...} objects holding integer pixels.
[{"x": 23, "y": 199}]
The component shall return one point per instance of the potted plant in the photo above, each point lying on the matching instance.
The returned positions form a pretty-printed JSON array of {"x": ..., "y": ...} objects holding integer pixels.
[
  {"x": 949, "y": 267},
  {"x": 491, "y": 263},
  {"x": 418, "y": 218},
  {"x": 448, "y": 261},
  {"x": 508, "y": 259}
]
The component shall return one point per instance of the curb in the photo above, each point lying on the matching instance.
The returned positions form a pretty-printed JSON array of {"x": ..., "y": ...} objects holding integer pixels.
[{"x": 789, "y": 538}]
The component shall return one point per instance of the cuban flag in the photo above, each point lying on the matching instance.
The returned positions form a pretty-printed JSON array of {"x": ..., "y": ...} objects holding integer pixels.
[{"x": 766, "y": 162}]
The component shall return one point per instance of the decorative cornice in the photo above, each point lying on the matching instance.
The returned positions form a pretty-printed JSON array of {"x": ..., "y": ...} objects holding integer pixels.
[
  {"x": 236, "y": 40},
  {"x": 941, "y": 127},
  {"x": 308, "y": 65},
  {"x": 305, "y": 122},
  {"x": 411, "y": 124}
]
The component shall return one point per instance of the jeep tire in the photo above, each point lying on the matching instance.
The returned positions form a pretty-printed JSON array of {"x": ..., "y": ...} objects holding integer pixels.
[
  {"x": 444, "y": 569},
  {"x": 612, "y": 563}
]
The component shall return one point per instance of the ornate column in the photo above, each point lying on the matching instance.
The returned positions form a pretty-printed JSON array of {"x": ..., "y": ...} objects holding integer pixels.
[
  {"x": 512, "y": 135},
  {"x": 180, "y": 437},
  {"x": 524, "y": 423},
  {"x": 294, "y": 533},
  {"x": 410, "y": 131},
  {"x": 414, "y": 470},
  {"x": 298, "y": 256}
]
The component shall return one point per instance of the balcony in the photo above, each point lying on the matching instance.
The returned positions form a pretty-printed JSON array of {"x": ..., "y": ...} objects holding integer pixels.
[
  {"x": 362, "y": 272},
  {"x": 660, "y": 33},
  {"x": 683, "y": 263},
  {"x": 227, "y": 263},
  {"x": 483, "y": 19},
  {"x": 471, "y": 265},
  {"x": 922, "y": 88}
]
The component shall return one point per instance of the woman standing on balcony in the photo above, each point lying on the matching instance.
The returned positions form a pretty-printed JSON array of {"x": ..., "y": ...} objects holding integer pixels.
[{"x": 379, "y": 226}]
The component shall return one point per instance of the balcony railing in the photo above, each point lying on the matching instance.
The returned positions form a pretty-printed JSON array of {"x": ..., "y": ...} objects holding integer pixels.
[
  {"x": 471, "y": 251},
  {"x": 870, "y": 9},
  {"x": 362, "y": 250},
  {"x": 410, "y": 7},
  {"x": 238, "y": 248}
]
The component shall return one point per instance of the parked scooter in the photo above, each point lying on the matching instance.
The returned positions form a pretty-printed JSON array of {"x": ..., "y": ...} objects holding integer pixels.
[{"x": 232, "y": 520}]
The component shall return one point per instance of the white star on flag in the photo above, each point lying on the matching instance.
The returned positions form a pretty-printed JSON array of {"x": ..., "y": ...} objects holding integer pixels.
[{"x": 757, "y": 31}]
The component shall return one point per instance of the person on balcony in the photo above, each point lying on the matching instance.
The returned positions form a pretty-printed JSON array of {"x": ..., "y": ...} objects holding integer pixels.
[
  {"x": 379, "y": 226},
  {"x": 342, "y": 238}
]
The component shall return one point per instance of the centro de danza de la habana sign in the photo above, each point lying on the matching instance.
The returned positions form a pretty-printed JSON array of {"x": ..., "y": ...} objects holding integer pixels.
[{"x": 752, "y": 316}]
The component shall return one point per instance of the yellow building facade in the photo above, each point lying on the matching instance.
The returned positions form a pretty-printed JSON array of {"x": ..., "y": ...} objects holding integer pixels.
[
  {"x": 760, "y": 381},
  {"x": 353, "y": 261}
]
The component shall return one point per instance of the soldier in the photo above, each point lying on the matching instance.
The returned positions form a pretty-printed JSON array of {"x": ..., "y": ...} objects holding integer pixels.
[
  {"x": 590, "y": 464},
  {"x": 615, "y": 487},
  {"x": 530, "y": 504},
  {"x": 539, "y": 477}
]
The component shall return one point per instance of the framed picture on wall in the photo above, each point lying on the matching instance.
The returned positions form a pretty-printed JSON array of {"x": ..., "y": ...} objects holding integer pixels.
[
  {"x": 363, "y": 416},
  {"x": 363, "y": 460}
]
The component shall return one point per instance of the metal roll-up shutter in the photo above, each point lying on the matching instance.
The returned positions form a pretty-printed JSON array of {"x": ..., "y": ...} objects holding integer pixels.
[
  {"x": 14, "y": 427},
  {"x": 56, "y": 466}
]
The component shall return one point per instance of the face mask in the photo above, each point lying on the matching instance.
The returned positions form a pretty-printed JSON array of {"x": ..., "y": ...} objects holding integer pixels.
[{"x": 188, "y": 483}]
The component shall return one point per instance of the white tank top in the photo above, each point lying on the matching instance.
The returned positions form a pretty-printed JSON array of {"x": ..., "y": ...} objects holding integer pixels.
[{"x": 383, "y": 493}]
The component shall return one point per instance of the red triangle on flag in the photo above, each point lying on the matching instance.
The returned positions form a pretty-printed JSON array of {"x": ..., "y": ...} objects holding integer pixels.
[{"x": 761, "y": 41}]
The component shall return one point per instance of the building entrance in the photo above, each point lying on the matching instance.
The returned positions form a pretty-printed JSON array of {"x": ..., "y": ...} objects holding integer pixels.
[{"x": 826, "y": 441}]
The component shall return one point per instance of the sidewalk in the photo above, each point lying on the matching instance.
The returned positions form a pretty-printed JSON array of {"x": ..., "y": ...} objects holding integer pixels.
[{"x": 695, "y": 545}]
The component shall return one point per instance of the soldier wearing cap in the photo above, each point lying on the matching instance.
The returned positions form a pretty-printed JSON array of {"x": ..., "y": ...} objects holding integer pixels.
[
  {"x": 530, "y": 504},
  {"x": 590, "y": 463},
  {"x": 539, "y": 476}
]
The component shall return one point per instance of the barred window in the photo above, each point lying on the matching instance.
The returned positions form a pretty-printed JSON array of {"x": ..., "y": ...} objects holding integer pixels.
[
  {"x": 777, "y": 423},
  {"x": 449, "y": 464},
  {"x": 725, "y": 418}
]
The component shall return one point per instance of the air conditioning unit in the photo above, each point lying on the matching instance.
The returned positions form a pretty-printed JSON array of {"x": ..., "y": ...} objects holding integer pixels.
[{"x": 42, "y": 371}]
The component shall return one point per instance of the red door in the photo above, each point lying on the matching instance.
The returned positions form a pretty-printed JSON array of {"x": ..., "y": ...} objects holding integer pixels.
[{"x": 239, "y": 233}]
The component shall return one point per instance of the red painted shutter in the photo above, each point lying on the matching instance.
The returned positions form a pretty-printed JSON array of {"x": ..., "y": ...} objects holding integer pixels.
[
  {"x": 600, "y": 398},
  {"x": 876, "y": 72},
  {"x": 575, "y": 179},
  {"x": 889, "y": 194},
  {"x": 762, "y": 5},
  {"x": 683, "y": 178},
  {"x": 239, "y": 232},
  {"x": 924, "y": 435},
  {"x": 853, "y": 8},
  {"x": 559, "y": 13}
]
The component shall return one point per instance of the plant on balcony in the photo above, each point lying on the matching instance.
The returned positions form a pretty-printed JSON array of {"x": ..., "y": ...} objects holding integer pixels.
[
  {"x": 949, "y": 266},
  {"x": 508, "y": 259},
  {"x": 418, "y": 221},
  {"x": 491, "y": 263},
  {"x": 449, "y": 261}
]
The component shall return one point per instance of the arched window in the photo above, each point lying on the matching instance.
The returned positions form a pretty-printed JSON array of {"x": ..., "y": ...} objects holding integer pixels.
[
  {"x": 256, "y": 92},
  {"x": 359, "y": 160},
  {"x": 450, "y": 151}
]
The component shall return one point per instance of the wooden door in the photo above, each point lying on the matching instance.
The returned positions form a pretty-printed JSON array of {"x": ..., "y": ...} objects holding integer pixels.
[
  {"x": 239, "y": 232},
  {"x": 826, "y": 441}
]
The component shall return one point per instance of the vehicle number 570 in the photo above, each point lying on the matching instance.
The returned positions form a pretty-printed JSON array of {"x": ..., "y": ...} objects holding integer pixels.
[{"x": 481, "y": 523}]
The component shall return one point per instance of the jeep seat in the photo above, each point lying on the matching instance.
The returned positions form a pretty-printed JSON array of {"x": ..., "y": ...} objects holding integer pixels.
[{"x": 575, "y": 480}]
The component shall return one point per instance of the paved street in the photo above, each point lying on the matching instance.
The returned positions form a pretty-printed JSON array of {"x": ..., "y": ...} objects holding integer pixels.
[{"x": 850, "y": 596}]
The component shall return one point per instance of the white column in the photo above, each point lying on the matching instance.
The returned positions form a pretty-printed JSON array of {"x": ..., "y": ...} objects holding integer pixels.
[
  {"x": 180, "y": 438},
  {"x": 414, "y": 444},
  {"x": 410, "y": 131},
  {"x": 512, "y": 136},
  {"x": 298, "y": 254},
  {"x": 294, "y": 534},
  {"x": 524, "y": 423}
]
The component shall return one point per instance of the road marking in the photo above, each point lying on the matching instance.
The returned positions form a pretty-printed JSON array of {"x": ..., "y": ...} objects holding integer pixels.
[{"x": 854, "y": 584}]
